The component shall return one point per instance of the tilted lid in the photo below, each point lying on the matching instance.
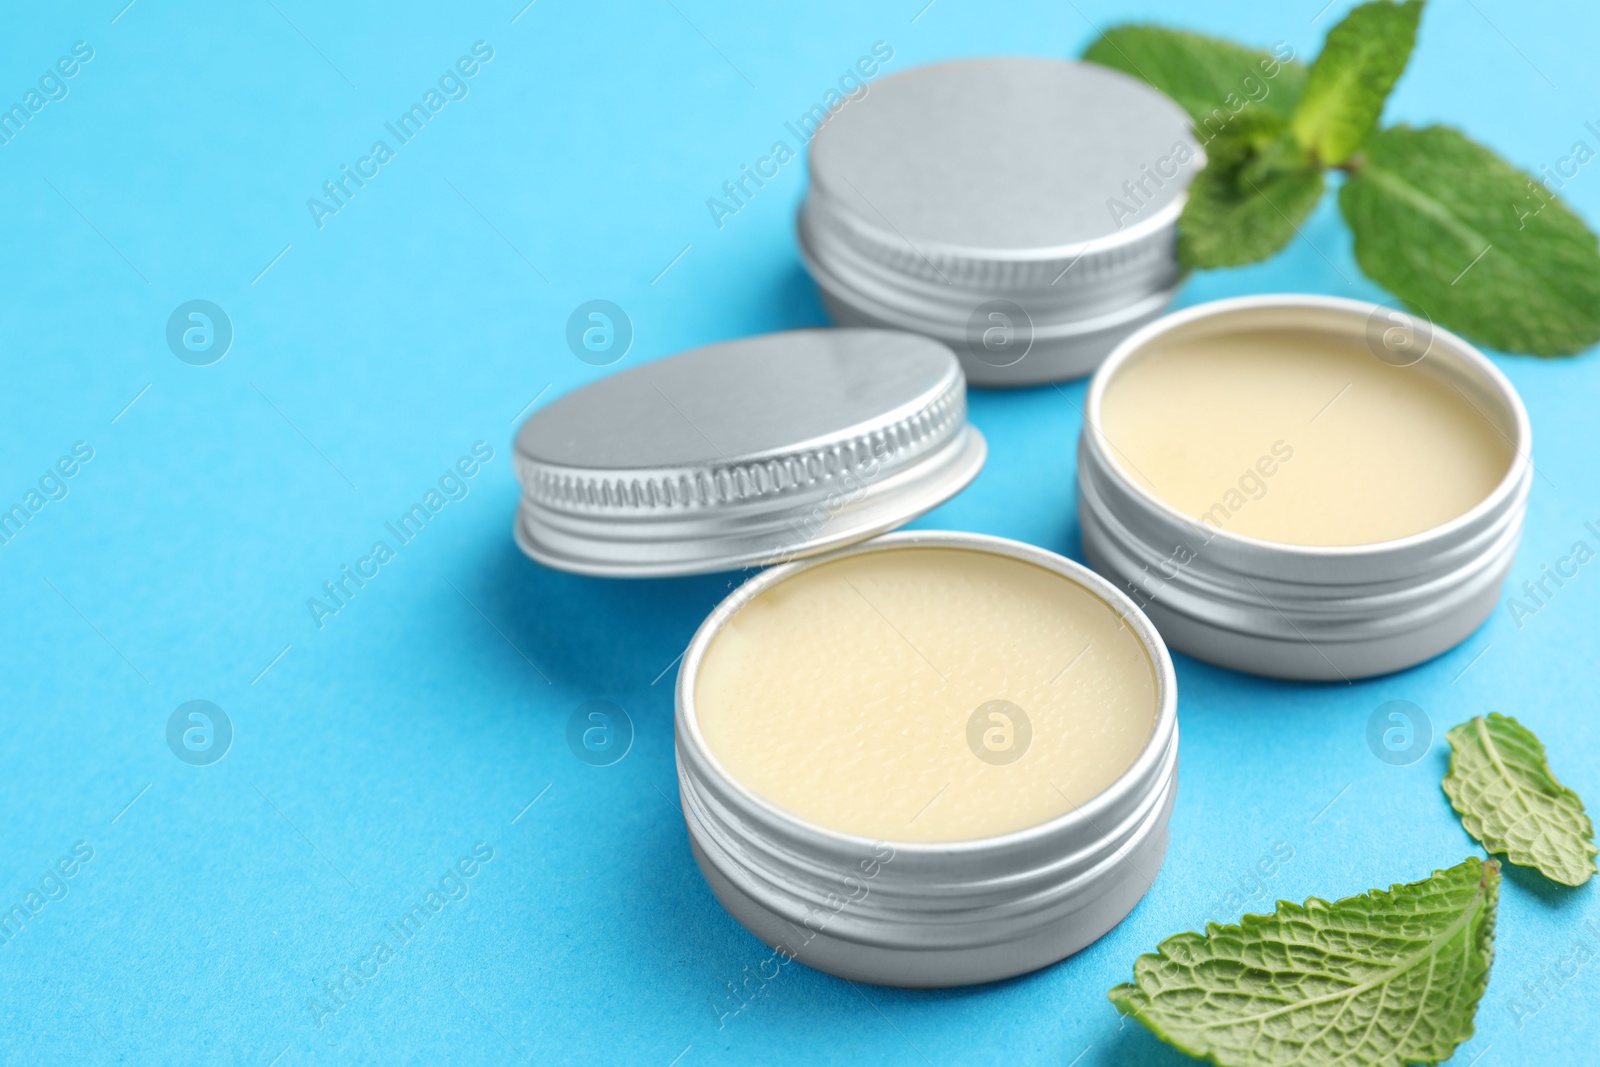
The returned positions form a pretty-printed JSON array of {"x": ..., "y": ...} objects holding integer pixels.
[
  {"x": 1017, "y": 164},
  {"x": 746, "y": 452}
]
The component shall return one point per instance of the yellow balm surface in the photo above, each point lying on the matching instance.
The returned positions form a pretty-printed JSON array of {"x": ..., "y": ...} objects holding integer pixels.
[
  {"x": 926, "y": 694},
  {"x": 1299, "y": 437}
]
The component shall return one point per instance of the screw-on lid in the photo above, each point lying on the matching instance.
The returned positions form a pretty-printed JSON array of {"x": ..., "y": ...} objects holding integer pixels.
[
  {"x": 1004, "y": 172},
  {"x": 745, "y": 452}
]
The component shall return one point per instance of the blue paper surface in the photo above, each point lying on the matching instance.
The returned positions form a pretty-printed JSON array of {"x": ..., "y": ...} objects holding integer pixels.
[{"x": 233, "y": 911}]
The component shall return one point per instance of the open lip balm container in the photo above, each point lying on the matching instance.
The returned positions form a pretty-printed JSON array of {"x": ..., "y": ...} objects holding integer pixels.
[
  {"x": 933, "y": 759},
  {"x": 914, "y": 758},
  {"x": 1304, "y": 487},
  {"x": 1023, "y": 210}
]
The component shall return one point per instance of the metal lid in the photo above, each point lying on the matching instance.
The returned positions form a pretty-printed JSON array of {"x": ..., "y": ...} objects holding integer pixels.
[
  {"x": 745, "y": 452},
  {"x": 1007, "y": 172}
]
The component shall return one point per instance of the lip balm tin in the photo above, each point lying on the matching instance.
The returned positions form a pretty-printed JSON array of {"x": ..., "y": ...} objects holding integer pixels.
[
  {"x": 1305, "y": 611},
  {"x": 940, "y": 913},
  {"x": 1023, "y": 210}
]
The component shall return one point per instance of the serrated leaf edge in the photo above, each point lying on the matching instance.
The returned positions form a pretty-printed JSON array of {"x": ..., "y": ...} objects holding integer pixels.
[
  {"x": 1121, "y": 995},
  {"x": 1472, "y": 822}
]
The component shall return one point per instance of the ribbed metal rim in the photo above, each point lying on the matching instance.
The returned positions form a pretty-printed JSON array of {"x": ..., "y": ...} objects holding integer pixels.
[
  {"x": 941, "y": 311},
  {"x": 888, "y": 503},
  {"x": 790, "y": 500},
  {"x": 1249, "y": 601}
]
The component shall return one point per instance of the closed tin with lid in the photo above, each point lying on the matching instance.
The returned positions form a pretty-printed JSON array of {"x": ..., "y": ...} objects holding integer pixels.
[{"x": 1021, "y": 209}]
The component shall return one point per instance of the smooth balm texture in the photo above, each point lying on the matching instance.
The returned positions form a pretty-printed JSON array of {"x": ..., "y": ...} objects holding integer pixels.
[
  {"x": 926, "y": 694},
  {"x": 1299, "y": 437}
]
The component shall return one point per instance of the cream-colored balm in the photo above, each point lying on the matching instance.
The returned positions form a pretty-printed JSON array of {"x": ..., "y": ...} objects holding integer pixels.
[
  {"x": 1299, "y": 437},
  {"x": 926, "y": 694}
]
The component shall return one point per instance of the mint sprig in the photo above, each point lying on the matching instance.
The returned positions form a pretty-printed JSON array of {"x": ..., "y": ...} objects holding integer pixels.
[
  {"x": 1386, "y": 978},
  {"x": 1457, "y": 233},
  {"x": 1501, "y": 784}
]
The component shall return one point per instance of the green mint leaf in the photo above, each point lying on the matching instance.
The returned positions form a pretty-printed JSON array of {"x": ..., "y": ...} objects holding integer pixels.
[
  {"x": 1257, "y": 186},
  {"x": 1360, "y": 61},
  {"x": 1210, "y": 78},
  {"x": 1464, "y": 237},
  {"x": 1502, "y": 787},
  {"x": 1386, "y": 978}
]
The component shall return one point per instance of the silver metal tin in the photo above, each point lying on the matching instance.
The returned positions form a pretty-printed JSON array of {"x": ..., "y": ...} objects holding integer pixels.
[
  {"x": 1299, "y": 611},
  {"x": 977, "y": 202},
  {"x": 746, "y": 452},
  {"x": 929, "y": 914}
]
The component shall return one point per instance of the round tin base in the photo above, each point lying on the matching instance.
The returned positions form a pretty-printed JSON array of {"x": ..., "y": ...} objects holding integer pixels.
[
  {"x": 1295, "y": 658},
  {"x": 935, "y": 968},
  {"x": 1049, "y": 358}
]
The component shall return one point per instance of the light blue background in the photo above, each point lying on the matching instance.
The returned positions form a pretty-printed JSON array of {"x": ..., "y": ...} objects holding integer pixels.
[{"x": 382, "y": 747}]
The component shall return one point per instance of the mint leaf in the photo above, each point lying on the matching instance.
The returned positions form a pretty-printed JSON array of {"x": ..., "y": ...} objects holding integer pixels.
[
  {"x": 1257, "y": 186},
  {"x": 1464, "y": 237},
  {"x": 1385, "y": 978},
  {"x": 1501, "y": 785},
  {"x": 1360, "y": 61},
  {"x": 1208, "y": 77}
]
